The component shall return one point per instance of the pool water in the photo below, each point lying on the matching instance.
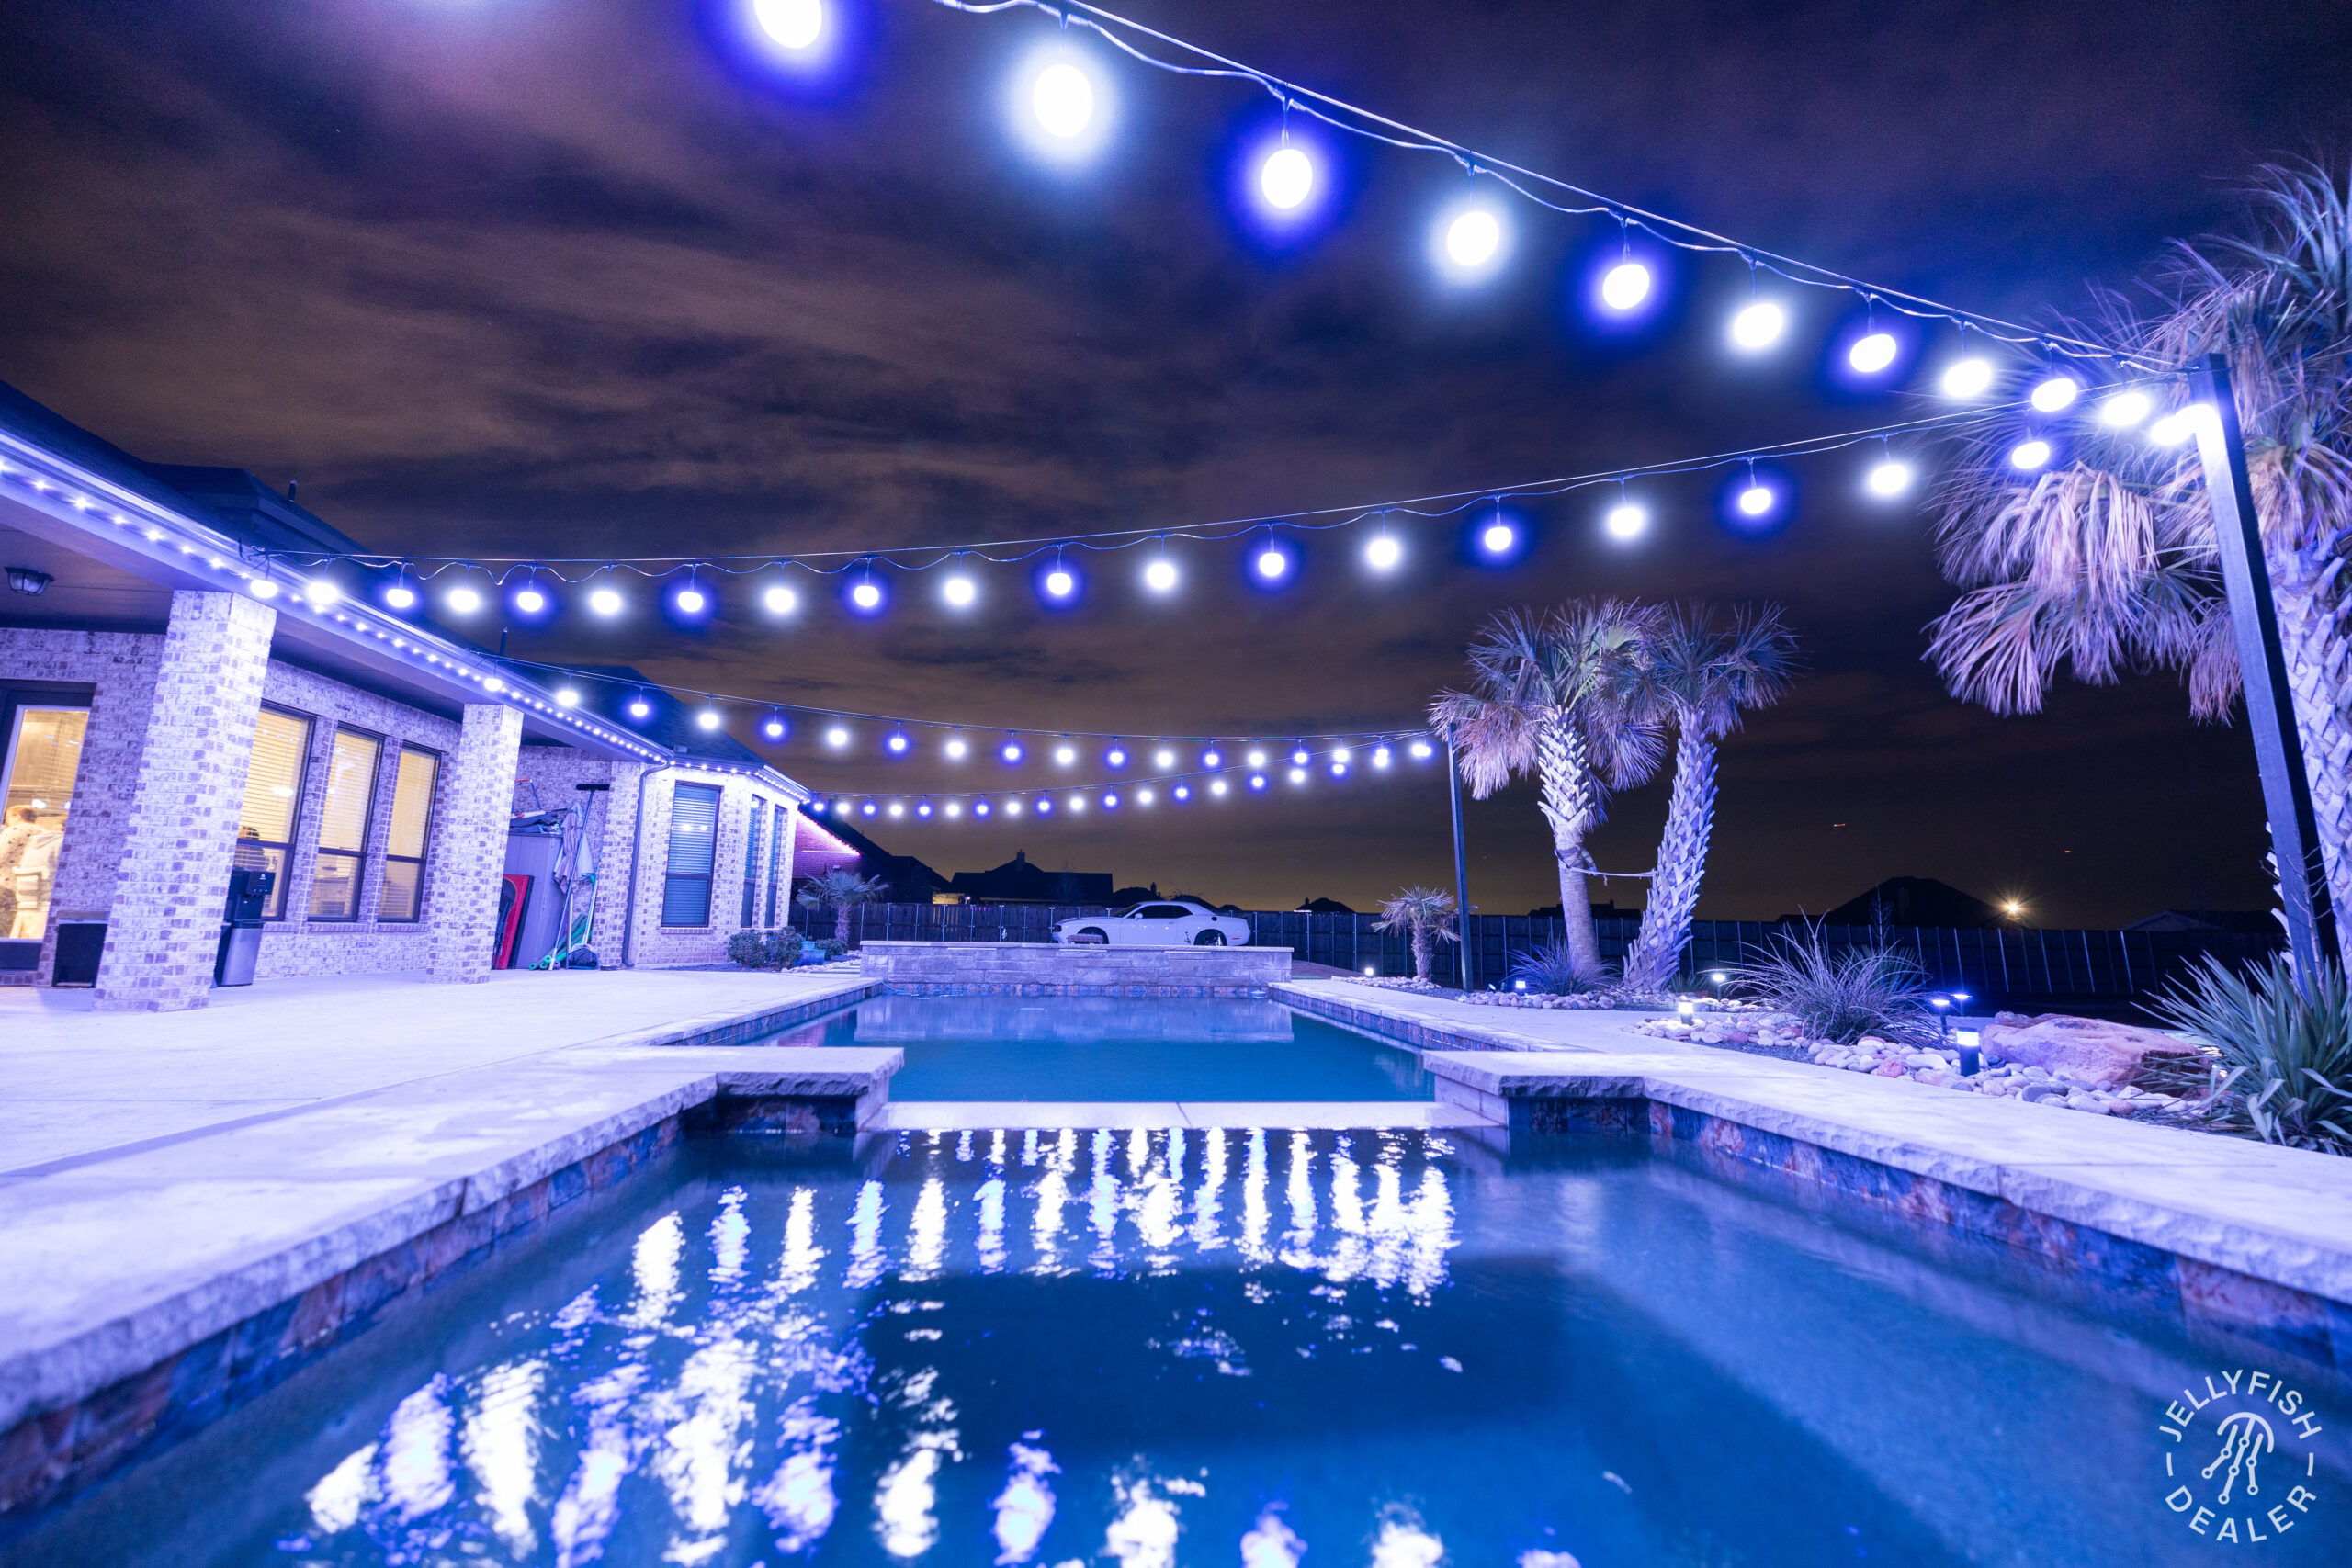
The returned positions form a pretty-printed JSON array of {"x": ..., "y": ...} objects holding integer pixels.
[
  {"x": 1091, "y": 1049},
  {"x": 1252, "y": 1348}
]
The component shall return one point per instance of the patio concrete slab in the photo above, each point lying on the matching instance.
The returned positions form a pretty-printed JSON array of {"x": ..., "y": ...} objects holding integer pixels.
[{"x": 74, "y": 1082}]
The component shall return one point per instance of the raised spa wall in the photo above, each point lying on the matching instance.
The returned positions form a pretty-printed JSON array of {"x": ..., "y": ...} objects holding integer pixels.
[{"x": 1052, "y": 969}]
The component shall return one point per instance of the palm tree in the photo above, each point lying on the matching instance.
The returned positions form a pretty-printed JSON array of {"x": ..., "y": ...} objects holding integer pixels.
[
  {"x": 2108, "y": 565},
  {"x": 1427, "y": 914},
  {"x": 840, "y": 890},
  {"x": 1701, "y": 674},
  {"x": 1559, "y": 695}
]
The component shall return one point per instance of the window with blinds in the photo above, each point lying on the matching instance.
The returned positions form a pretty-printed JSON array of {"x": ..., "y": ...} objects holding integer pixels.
[
  {"x": 402, "y": 897},
  {"x": 273, "y": 807},
  {"x": 752, "y": 838},
  {"x": 343, "y": 825},
  {"x": 693, "y": 851}
]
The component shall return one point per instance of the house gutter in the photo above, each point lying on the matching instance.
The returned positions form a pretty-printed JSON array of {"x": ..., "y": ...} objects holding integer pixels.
[{"x": 636, "y": 857}]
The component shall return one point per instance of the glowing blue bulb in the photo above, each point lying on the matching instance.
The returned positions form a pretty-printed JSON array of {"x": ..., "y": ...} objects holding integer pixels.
[
  {"x": 691, "y": 602},
  {"x": 1498, "y": 537},
  {"x": 793, "y": 24},
  {"x": 1271, "y": 564},
  {"x": 1109, "y": 803},
  {"x": 866, "y": 596},
  {"x": 898, "y": 744},
  {"x": 1115, "y": 758},
  {"x": 1756, "y": 500},
  {"x": 1011, "y": 751},
  {"x": 1286, "y": 178},
  {"x": 1627, "y": 285},
  {"x": 1257, "y": 780},
  {"x": 530, "y": 601},
  {"x": 1212, "y": 758},
  {"x": 640, "y": 708},
  {"x": 1060, "y": 584}
]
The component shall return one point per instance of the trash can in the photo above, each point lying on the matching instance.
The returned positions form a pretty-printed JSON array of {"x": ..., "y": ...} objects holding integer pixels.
[{"x": 249, "y": 889}]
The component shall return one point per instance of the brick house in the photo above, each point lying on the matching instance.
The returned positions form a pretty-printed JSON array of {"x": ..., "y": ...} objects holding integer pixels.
[{"x": 174, "y": 704}]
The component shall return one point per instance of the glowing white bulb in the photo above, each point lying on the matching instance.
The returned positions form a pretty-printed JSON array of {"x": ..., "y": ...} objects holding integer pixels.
[
  {"x": 1271, "y": 564},
  {"x": 1060, "y": 584},
  {"x": 897, "y": 810},
  {"x": 1627, "y": 285},
  {"x": 1759, "y": 325},
  {"x": 605, "y": 602},
  {"x": 866, "y": 596},
  {"x": 1756, "y": 500},
  {"x": 464, "y": 601},
  {"x": 955, "y": 749},
  {"x": 1063, "y": 100},
  {"x": 530, "y": 601},
  {"x": 1498, "y": 537},
  {"x": 1144, "y": 797},
  {"x": 400, "y": 598},
  {"x": 1011, "y": 751},
  {"x": 1217, "y": 786},
  {"x": 692, "y": 602},
  {"x": 640, "y": 708},
  {"x": 793, "y": 24},
  {"x": 1298, "y": 758},
  {"x": 567, "y": 698},
  {"x": 1873, "y": 354},
  {"x": 780, "y": 601},
  {"x": 1473, "y": 238},
  {"x": 1967, "y": 377},
  {"x": 1065, "y": 755},
  {"x": 1889, "y": 478},
  {"x": 2056, "y": 393},
  {"x": 2124, "y": 410},
  {"x": 1380, "y": 756},
  {"x": 320, "y": 592},
  {"x": 1164, "y": 759},
  {"x": 1298, "y": 776},
  {"x": 1257, "y": 780},
  {"x": 707, "y": 719},
  {"x": 1422, "y": 751},
  {"x": 1212, "y": 758},
  {"x": 2177, "y": 427},
  {"x": 954, "y": 809},
  {"x": 1343, "y": 756},
  {"x": 1287, "y": 177},
  {"x": 1627, "y": 521},
  {"x": 1256, "y": 758},
  {"x": 1383, "y": 553},
  {"x": 2029, "y": 454},
  {"x": 837, "y": 735},
  {"x": 1160, "y": 576},
  {"x": 1078, "y": 803},
  {"x": 958, "y": 592}
]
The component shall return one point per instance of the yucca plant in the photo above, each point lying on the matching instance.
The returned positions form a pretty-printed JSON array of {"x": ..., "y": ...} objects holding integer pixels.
[
  {"x": 1560, "y": 695},
  {"x": 1552, "y": 969},
  {"x": 1424, "y": 914},
  {"x": 1841, "y": 995},
  {"x": 2285, "y": 1045},
  {"x": 2108, "y": 565}
]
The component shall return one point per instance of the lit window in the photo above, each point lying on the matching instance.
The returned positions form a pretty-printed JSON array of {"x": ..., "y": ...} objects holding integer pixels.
[
  {"x": 273, "y": 802},
  {"x": 404, "y": 891},
  {"x": 343, "y": 825},
  {"x": 694, "y": 850}
]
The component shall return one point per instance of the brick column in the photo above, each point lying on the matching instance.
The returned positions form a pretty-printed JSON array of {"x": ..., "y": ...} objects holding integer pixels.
[
  {"x": 476, "y": 805},
  {"x": 163, "y": 930}
]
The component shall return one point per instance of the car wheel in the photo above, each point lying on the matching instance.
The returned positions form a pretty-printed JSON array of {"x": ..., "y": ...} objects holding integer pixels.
[
  {"x": 1209, "y": 939},
  {"x": 1092, "y": 934}
]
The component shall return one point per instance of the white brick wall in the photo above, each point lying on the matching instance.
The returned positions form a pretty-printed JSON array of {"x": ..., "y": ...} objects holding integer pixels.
[
  {"x": 657, "y": 945},
  {"x": 165, "y": 924}
]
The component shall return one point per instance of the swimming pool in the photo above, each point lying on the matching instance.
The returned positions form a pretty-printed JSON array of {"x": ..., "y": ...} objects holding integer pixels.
[
  {"x": 1174, "y": 1347},
  {"x": 1106, "y": 1049}
]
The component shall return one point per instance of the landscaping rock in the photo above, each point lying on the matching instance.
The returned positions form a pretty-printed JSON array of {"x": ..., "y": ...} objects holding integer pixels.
[{"x": 2090, "y": 1050}]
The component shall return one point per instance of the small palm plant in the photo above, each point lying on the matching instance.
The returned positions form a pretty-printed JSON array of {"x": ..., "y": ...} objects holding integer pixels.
[
  {"x": 1552, "y": 969},
  {"x": 1559, "y": 695},
  {"x": 1702, "y": 673},
  {"x": 2285, "y": 1047},
  {"x": 1841, "y": 996},
  {"x": 840, "y": 890},
  {"x": 1425, "y": 914}
]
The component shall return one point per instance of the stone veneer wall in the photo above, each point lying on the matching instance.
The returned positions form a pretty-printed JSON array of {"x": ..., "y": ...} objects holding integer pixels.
[
  {"x": 119, "y": 668},
  {"x": 462, "y": 904},
  {"x": 1030, "y": 968},
  {"x": 545, "y": 779},
  {"x": 175, "y": 869}
]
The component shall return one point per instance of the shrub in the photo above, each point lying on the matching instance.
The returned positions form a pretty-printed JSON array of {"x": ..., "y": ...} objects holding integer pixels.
[
  {"x": 1841, "y": 996},
  {"x": 824, "y": 950},
  {"x": 1552, "y": 970},
  {"x": 778, "y": 949},
  {"x": 2285, "y": 1047}
]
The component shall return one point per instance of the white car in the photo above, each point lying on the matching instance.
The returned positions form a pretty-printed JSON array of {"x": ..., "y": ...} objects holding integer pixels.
[{"x": 1163, "y": 922}]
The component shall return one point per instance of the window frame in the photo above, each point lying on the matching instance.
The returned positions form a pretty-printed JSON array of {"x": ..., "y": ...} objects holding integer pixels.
[
  {"x": 425, "y": 849},
  {"x": 754, "y": 820},
  {"x": 320, "y": 854},
  {"x": 781, "y": 816},
  {"x": 671, "y": 877},
  {"x": 281, "y": 892}
]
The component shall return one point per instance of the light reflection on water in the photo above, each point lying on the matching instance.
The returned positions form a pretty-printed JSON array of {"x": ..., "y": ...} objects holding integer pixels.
[{"x": 1270, "y": 1347}]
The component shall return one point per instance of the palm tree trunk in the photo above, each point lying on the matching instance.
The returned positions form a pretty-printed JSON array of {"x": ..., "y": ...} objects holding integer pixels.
[
  {"x": 1572, "y": 806},
  {"x": 1424, "y": 951},
  {"x": 2319, "y": 679},
  {"x": 1656, "y": 957},
  {"x": 841, "y": 924}
]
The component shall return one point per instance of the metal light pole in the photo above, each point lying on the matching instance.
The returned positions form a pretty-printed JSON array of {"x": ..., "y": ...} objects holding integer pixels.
[
  {"x": 2270, "y": 715},
  {"x": 1460, "y": 867}
]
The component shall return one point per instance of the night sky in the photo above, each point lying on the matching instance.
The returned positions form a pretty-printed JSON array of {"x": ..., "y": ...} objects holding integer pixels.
[{"x": 575, "y": 276}]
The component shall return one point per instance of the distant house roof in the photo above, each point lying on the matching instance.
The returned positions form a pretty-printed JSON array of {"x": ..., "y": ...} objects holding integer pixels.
[
  {"x": 1913, "y": 901},
  {"x": 1325, "y": 907},
  {"x": 1019, "y": 881},
  {"x": 909, "y": 879},
  {"x": 2253, "y": 922}
]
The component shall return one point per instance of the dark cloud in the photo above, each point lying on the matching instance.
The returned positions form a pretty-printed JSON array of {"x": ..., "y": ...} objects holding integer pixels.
[{"x": 575, "y": 279}]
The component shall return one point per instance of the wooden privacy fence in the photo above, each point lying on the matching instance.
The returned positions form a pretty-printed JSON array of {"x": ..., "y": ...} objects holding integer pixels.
[{"x": 1996, "y": 966}]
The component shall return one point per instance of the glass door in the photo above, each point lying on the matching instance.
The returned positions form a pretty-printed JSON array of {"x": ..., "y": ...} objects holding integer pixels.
[{"x": 43, "y": 757}]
